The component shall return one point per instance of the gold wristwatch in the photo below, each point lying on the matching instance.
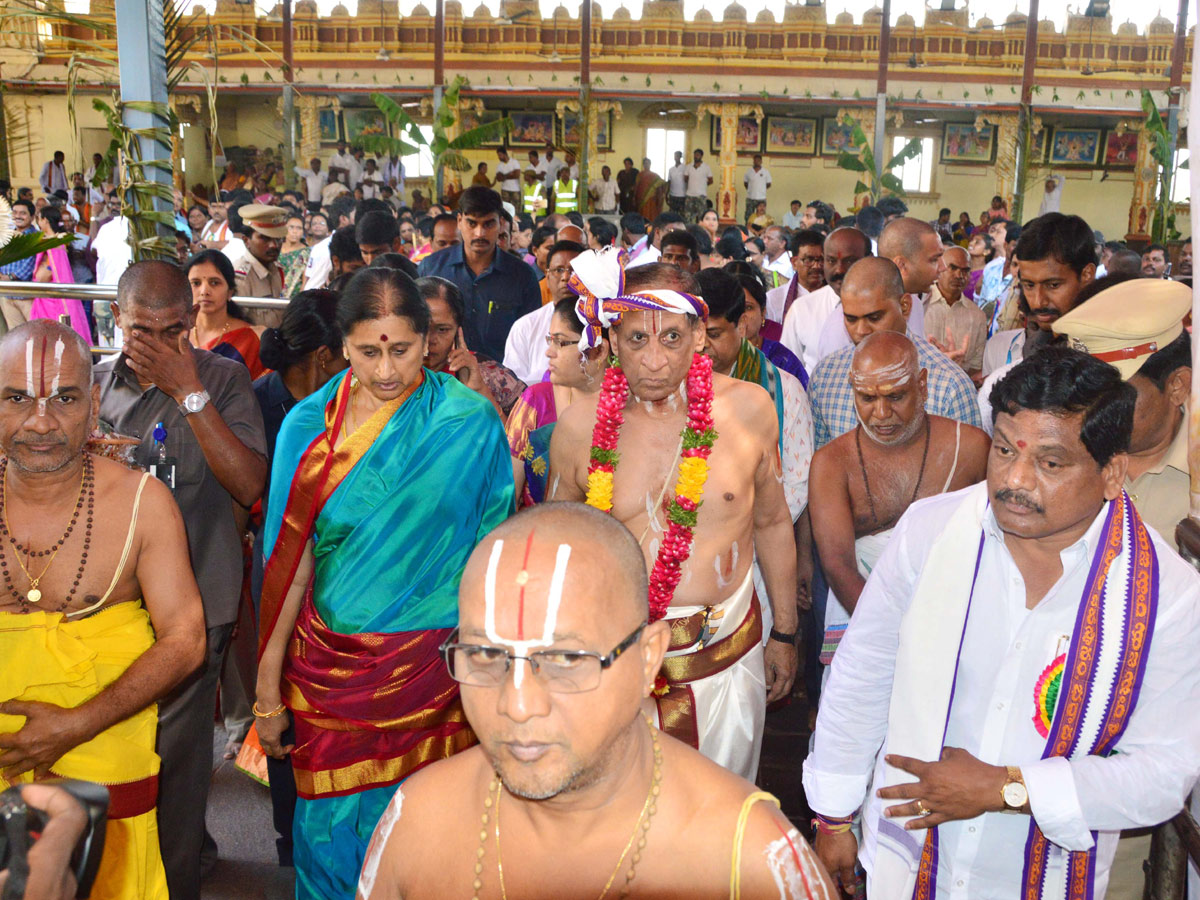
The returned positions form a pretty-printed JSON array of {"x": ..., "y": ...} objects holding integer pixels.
[{"x": 1014, "y": 793}]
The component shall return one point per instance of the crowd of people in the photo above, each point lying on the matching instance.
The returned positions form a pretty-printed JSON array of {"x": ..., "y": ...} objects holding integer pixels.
[{"x": 509, "y": 505}]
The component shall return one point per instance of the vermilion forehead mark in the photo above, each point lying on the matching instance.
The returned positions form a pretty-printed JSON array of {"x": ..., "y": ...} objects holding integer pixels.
[
  {"x": 383, "y": 337},
  {"x": 1021, "y": 444},
  {"x": 522, "y": 580}
]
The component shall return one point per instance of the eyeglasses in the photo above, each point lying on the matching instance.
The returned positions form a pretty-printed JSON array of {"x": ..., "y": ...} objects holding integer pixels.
[
  {"x": 561, "y": 343},
  {"x": 559, "y": 671},
  {"x": 558, "y": 271},
  {"x": 809, "y": 260}
]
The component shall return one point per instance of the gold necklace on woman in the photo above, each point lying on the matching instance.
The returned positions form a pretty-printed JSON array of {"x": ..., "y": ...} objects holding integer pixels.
[{"x": 491, "y": 805}]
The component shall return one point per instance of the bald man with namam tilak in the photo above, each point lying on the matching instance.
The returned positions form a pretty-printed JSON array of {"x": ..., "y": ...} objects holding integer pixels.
[
  {"x": 862, "y": 482},
  {"x": 100, "y": 614},
  {"x": 571, "y": 792}
]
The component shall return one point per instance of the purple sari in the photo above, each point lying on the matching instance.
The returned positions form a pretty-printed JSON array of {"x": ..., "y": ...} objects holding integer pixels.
[{"x": 54, "y": 307}]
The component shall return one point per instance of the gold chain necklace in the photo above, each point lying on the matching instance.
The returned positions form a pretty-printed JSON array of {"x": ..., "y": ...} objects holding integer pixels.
[
  {"x": 641, "y": 826},
  {"x": 33, "y": 595}
]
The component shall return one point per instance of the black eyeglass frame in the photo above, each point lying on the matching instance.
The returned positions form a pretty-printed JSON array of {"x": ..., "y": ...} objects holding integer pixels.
[{"x": 605, "y": 660}]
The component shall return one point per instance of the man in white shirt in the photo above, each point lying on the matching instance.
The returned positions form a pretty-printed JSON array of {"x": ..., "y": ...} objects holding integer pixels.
[
  {"x": 54, "y": 175},
  {"x": 802, "y": 324},
  {"x": 1017, "y": 683},
  {"x": 356, "y": 167},
  {"x": 537, "y": 165},
  {"x": 756, "y": 181},
  {"x": 508, "y": 179},
  {"x": 525, "y": 346},
  {"x": 372, "y": 180},
  {"x": 339, "y": 165},
  {"x": 314, "y": 181},
  {"x": 393, "y": 174},
  {"x": 677, "y": 185},
  {"x": 776, "y": 261},
  {"x": 113, "y": 253},
  {"x": 604, "y": 193},
  {"x": 215, "y": 233},
  {"x": 550, "y": 165},
  {"x": 805, "y": 247},
  {"x": 320, "y": 264},
  {"x": 699, "y": 177},
  {"x": 794, "y": 217}
]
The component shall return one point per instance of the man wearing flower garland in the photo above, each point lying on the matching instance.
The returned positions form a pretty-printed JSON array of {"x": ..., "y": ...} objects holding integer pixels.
[
  {"x": 663, "y": 422},
  {"x": 1018, "y": 683}
]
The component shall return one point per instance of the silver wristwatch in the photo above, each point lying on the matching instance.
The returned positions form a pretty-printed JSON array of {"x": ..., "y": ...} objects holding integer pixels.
[{"x": 194, "y": 402}]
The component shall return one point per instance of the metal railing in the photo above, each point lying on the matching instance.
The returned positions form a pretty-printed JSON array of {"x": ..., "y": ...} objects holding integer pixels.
[{"x": 32, "y": 289}]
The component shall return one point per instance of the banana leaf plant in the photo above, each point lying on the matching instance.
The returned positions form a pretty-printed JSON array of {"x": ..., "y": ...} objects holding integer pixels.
[
  {"x": 15, "y": 246},
  {"x": 1162, "y": 226},
  {"x": 446, "y": 152},
  {"x": 878, "y": 182}
]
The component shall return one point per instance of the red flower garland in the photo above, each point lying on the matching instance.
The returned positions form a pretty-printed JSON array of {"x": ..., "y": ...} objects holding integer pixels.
[{"x": 698, "y": 439}]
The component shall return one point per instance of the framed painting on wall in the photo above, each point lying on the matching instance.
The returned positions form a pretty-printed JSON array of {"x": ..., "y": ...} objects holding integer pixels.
[
  {"x": 962, "y": 142},
  {"x": 835, "y": 136},
  {"x": 570, "y": 130},
  {"x": 1037, "y": 145},
  {"x": 328, "y": 126},
  {"x": 749, "y": 135},
  {"x": 534, "y": 129},
  {"x": 1075, "y": 147},
  {"x": 364, "y": 123},
  {"x": 470, "y": 120},
  {"x": 1120, "y": 150},
  {"x": 789, "y": 135}
]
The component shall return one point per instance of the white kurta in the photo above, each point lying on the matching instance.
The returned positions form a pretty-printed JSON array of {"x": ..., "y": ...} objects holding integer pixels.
[{"x": 1005, "y": 649}]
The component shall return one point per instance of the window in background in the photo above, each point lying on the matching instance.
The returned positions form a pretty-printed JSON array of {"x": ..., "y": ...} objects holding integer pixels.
[
  {"x": 420, "y": 165},
  {"x": 661, "y": 144},
  {"x": 915, "y": 174}
]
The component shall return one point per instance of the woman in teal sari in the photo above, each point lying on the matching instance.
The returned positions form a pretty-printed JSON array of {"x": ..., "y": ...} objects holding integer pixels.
[{"x": 382, "y": 483}]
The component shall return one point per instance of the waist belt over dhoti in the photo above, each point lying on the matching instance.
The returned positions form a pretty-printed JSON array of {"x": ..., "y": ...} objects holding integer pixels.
[{"x": 673, "y": 694}]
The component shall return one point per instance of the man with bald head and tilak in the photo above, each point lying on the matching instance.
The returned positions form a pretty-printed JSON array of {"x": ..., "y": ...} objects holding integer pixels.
[
  {"x": 100, "y": 615},
  {"x": 862, "y": 482},
  {"x": 201, "y": 430},
  {"x": 572, "y": 791},
  {"x": 874, "y": 300}
]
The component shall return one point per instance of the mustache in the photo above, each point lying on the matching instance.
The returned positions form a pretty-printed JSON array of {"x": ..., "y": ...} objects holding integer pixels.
[{"x": 1006, "y": 495}]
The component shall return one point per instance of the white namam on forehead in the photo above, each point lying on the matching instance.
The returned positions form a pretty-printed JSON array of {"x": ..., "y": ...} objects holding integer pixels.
[
  {"x": 520, "y": 644},
  {"x": 36, "y": 389},
  {"x": 896, "y": 374}
]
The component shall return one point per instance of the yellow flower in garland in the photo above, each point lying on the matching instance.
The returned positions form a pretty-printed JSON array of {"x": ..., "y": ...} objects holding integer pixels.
[
  {"x": 600, "y": 490},
  {"x": 693, "y": 472}
]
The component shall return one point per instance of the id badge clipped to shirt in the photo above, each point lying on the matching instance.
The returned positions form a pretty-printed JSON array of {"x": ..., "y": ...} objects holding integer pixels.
[{"x": 162, "y": 466}]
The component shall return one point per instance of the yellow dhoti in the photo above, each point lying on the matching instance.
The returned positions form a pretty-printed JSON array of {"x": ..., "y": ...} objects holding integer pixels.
[{"x": 50, "y": 659}]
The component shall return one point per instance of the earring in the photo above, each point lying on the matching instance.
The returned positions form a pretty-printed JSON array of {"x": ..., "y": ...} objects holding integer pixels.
[{"x": 345, "y": 354}]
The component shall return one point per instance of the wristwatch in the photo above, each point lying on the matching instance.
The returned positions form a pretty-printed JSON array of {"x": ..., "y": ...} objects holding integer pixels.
[
  {"x": 1014, "y": 793},
  {"x": 194, "y": 402}
]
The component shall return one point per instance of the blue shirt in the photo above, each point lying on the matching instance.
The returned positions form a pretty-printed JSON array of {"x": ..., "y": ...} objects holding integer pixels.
[
  {"x": 22, "y": 269},
  {"x": 494, "y": 300},
  {"x": 951, "y": 391}
]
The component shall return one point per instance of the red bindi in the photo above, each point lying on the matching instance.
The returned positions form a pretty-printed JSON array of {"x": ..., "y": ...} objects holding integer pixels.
[
  {"x": 383, "y": 337},
  {"x": 1021, "y": 444}
]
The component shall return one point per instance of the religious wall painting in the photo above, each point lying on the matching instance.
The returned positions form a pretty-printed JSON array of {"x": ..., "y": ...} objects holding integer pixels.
[
  {"x": 749, "y": 135},
  {"x": 534, "y": 129},
  {"x": 470, "y": 119},
  {"x": 1075, "y": 147},
  {"x": 790, "y": 135},
  {"x": 1120, "y": 150},
  {"x": 835, "y": 136},
  {"x": 329, "y": 126},
  {"x": 364, "y": 123},
  {"x": 570, "y": 130},
  {"x": 1037, "y": 145},
  {"x": 962, "y": 142}
]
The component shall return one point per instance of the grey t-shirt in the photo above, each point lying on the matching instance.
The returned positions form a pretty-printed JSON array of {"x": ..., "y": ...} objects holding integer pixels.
[{"x": 207, "y": 508}]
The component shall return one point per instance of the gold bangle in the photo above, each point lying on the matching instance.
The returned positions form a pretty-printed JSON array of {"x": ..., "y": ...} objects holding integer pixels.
[{"x": 277, "y": 711}]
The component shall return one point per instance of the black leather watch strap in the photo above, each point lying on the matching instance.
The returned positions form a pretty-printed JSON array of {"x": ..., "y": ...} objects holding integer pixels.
[{"x": 783, "y": 637}]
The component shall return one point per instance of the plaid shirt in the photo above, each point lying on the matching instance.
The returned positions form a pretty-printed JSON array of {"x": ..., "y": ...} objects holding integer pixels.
[
  {"x": 951, "y": 392},
  {"x": 22, "y": 269}
]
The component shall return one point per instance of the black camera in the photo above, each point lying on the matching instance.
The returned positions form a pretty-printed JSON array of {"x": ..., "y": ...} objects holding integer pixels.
[{"x": 21, "y": 825}]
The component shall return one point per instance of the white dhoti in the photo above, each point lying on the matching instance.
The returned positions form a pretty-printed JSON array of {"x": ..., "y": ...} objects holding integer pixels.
[
  {"x": 715, "y": 697},
  {"x": 867, "y": 550}
]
